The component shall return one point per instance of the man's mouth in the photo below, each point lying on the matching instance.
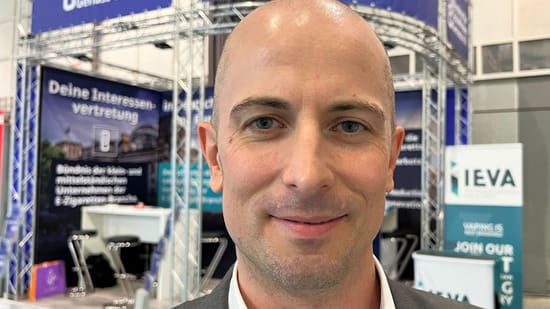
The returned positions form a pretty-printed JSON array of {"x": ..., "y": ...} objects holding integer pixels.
[
  {"x": 308, "y": 227},
  {"x": 311, "y": 221}
]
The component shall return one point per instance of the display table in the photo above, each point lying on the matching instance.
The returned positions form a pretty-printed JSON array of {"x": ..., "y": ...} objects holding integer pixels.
[
  {"x": 149, "y": 224},
  {"x": 109, "y": 220},
  {"x": 459, "y": 277}
]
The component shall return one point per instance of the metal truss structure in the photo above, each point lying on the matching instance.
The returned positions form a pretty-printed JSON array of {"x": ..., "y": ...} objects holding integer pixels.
[
  {"x": 187, "y": 26},
  {"x": 442, "y": 68}
]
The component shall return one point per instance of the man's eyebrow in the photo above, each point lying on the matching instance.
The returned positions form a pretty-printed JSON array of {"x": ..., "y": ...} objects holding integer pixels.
[
  {"x": 359, "y": 105},
  {"x": 253, "y": 102}
]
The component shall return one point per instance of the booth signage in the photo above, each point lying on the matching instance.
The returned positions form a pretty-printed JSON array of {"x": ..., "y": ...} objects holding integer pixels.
[
  {"x": 167, "y": 107},
  {"x": 91, "y": 118},
  {"x": 483, "y": 210},
  {"x": 423, "y": 10},
  {"x": 407, "y": 191},
  {"x": 98, "y": 145},
  {"x": 55, "y": 14},
  {"x": 211, "y": 201},
  {"x": 458, "y": 21}
]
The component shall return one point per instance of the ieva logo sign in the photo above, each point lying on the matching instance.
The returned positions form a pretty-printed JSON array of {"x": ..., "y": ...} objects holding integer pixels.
[
  {"x": 461, "y": 297},
  {"x": 482, "y": 179}
]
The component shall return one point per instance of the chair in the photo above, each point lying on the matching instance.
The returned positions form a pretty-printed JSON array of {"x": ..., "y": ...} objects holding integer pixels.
[
  {"x": 406, "y": 242},
  {"x": 114, "y": 244},
  {"x": 213, "y": 238},
  {"x": 74, "y": 242}
]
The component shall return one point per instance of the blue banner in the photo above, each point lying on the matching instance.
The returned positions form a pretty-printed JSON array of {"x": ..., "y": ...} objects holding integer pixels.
[
  {"x": 423, "y": 10},
  {"x": 55, "y": 14},
  {"x": 458, "y": 22},
  {"x": 165, "y": 122},
  {"x": 211, "y": 201},
  {"x": 167, "y": 107},
  {"x": 408, "y": 109},
  {"x": 407, "y": 176}
]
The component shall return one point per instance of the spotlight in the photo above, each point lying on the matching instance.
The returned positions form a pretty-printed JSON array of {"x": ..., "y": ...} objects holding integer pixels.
[
  {"x": 82, "y": 57},
  {"x": 389, "y": 45},
  {"x": 162, "y": 45}
]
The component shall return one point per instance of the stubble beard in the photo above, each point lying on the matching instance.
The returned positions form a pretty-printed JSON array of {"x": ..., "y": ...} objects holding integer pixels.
[{"x": 298, "y": 274}]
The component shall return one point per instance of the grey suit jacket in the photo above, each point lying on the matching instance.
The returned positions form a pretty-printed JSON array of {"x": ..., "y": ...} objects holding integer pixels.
[{"x": 403, "y": 297}]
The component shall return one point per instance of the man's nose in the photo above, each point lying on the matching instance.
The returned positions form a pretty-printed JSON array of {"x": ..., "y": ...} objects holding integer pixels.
[{"x": 308, "y": 168}]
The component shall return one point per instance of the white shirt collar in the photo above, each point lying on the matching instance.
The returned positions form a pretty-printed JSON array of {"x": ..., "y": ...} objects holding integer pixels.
[
  {"x": 236, "y": 300},
  {"x": 386, "y": 298}
]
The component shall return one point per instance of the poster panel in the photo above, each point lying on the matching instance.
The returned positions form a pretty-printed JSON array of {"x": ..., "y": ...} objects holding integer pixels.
[
  {"x": 55, "y": 14},
  {"x": 211, "y": 201},
  {"x": 408, "y": 108},
  {"x": 458, "y": 26},
  {"x": 98, "y": 145},
  {"x": 483, "y": 210},
  {"x": 407, "y": 191},
  {"x": 165, "y": 120}
]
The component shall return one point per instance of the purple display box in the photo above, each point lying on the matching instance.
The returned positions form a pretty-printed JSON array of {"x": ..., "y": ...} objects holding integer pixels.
[{"x": 48, "y": 279}]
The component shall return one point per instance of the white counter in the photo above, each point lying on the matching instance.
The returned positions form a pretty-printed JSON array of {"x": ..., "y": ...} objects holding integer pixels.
[{"x": 148, "y": 223}]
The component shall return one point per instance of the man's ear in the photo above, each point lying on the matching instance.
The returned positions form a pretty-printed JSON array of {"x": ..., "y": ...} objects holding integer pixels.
[
  {"x": 395, "y": 149},
  {"x": 209, "y": 147}
]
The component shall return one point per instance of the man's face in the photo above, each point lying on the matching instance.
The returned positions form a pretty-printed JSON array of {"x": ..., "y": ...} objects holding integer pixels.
[{"x": 306, "y": 154}]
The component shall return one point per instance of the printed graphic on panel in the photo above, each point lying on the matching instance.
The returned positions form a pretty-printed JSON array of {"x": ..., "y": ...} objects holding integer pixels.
[
  {"x": 407, "y": 176},
  {"x": 98, "y": 145},
  {"x": 483, "y": 211},
  {"x": 211, "y": 201},
  {"x": 458, "y": 21}
]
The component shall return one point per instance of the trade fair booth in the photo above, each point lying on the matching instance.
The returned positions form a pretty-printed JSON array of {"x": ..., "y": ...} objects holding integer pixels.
[{"x": 105, "y": 148}]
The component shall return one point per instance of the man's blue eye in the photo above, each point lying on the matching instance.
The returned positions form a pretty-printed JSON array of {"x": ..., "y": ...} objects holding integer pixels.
[
  {"x": 263, "y": 123},
  {"x": 351, "y": 126}
]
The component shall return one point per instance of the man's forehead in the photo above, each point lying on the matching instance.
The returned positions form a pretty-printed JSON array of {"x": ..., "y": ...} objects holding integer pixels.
[
  {"x": 282, "y": 31},
  {"x": 287, "y": 17}
]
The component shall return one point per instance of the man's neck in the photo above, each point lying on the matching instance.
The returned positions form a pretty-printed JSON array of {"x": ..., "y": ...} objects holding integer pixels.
[{"x": 360, "y": 289}]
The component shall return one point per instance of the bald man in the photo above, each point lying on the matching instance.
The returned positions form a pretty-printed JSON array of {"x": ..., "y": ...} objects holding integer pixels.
[{"x": 303, "y": 145}]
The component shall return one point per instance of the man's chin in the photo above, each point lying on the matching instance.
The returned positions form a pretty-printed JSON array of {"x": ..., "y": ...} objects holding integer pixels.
[{"x": 307, "y": 272}]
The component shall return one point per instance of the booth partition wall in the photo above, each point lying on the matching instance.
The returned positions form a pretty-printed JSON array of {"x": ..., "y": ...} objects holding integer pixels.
[{"x": 113, "y": 52}]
